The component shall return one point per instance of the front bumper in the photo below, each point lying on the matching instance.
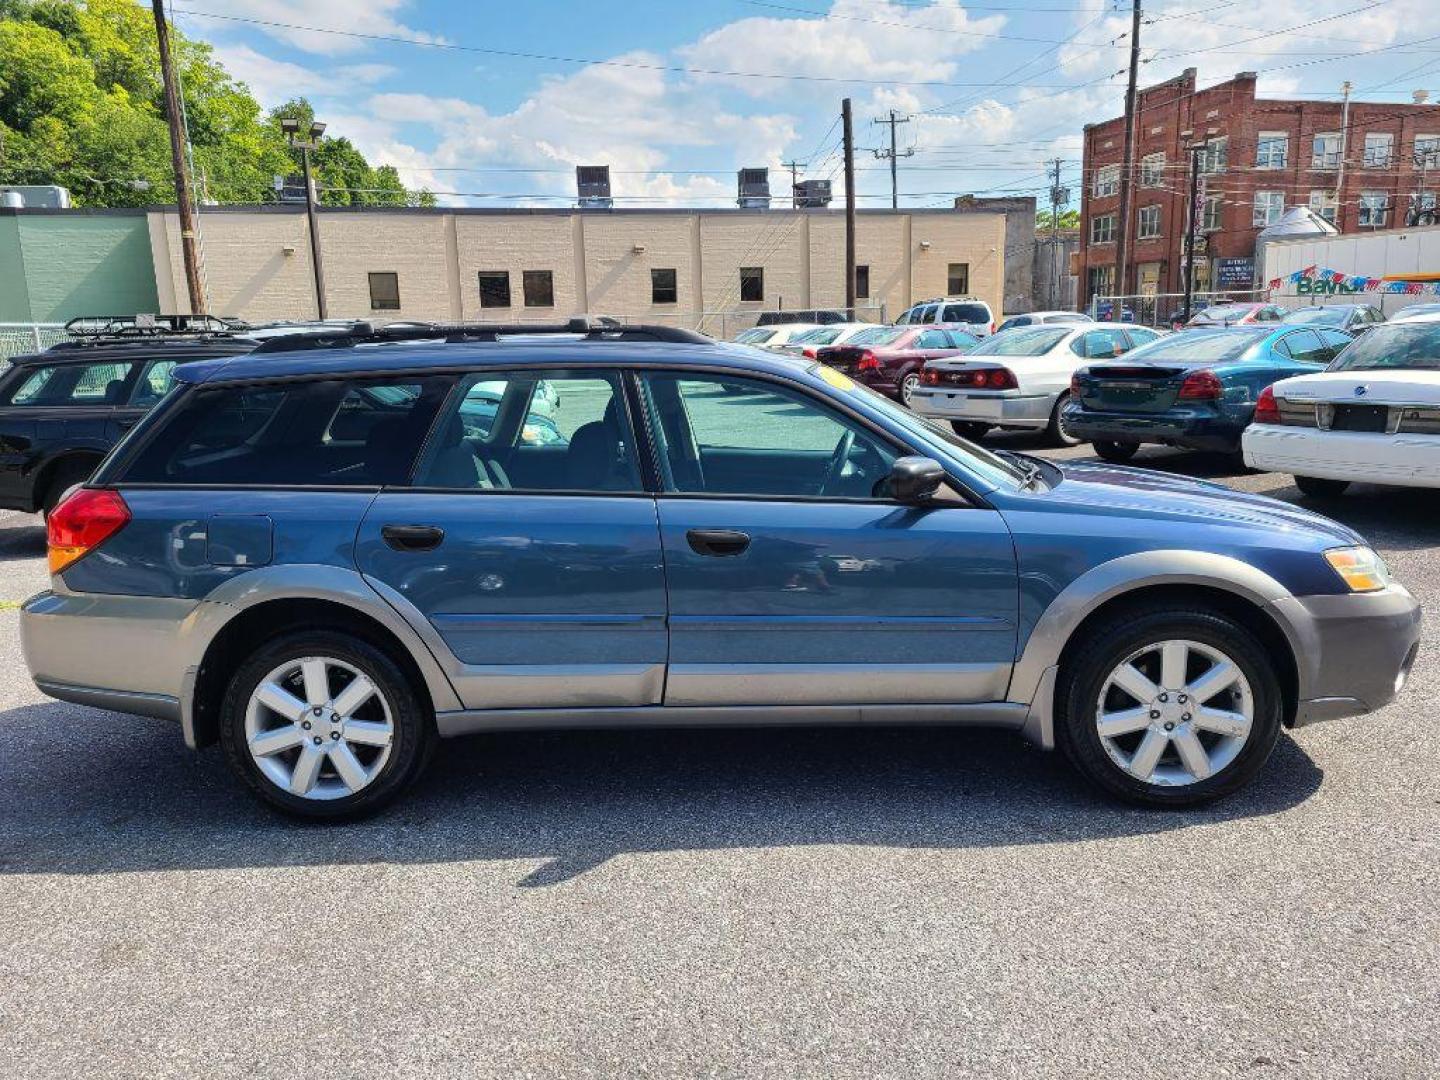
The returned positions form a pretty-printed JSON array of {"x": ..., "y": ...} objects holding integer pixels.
[
  {"x": 999, "y": 408},
  {"x": 1354, "y": 650},
  {"x": 1193, "y": 430},
  {"x": 114, "y": 652},
  {"x": 1408, "y": 460}
]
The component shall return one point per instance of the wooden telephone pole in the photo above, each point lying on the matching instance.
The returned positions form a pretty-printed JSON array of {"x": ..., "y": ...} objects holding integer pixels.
[
  {"x": 189, "y": 237},
  {"x": 1127, "y": 170}
]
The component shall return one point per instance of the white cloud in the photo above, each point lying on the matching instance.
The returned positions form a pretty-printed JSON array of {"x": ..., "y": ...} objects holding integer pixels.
[{"x": 368, "y": 17}]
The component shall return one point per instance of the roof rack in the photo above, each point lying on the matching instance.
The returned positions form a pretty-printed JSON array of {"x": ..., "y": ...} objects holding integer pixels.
[
  {"x": 150, "y": 326},
  {"x": 365, "y": 333}
]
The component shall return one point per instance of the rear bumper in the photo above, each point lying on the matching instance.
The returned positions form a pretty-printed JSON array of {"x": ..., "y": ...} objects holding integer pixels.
[
  {"x": 114, "y": 652},
  {"x": 1409, "y": 460},
  {"x": 1355, "y": 650},
  {"x": 1001, "y": 408},
  {"x": 1196, "y": 431}
]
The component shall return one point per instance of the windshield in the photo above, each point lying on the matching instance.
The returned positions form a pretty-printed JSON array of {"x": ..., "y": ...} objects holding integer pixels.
[
  {"x": 1396, "y": 346},
  {"x": 755, "y": 336},
  {"x": 987, "y": 466},
  {"x": 1200, "y": 346},
  {"x": 1021, "y": 341},
  {"x": 1318, "y": 316},
  {"x": 1226, "y": 312},
  {"x": 815, "y": 337},
  {"x": 880, "y": 335}
]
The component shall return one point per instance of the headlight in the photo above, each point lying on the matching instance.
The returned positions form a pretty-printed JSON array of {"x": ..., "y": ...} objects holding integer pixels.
[{"x": 1359, "y": 567}]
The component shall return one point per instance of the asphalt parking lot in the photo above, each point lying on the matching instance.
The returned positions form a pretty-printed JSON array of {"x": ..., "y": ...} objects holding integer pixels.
[{"x": 882, "y": 903}]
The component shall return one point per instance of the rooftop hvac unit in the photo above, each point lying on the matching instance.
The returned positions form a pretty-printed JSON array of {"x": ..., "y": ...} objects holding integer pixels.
[
  {"x": 754, "y": 189},
  {"x": 592, "y": 182},
  {"x": 812, "y": 193},
  {"x": 45, "y": 196},
  {"x": 290, "y": 189}
]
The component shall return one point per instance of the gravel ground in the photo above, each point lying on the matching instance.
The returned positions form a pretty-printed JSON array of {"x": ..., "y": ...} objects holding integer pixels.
[{"x": 763, "y": 904}]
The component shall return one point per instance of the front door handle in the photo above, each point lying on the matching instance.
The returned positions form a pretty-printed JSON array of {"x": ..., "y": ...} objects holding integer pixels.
[
  {"x": 412, "y": 537},
  {"x": 717, "y": 542}
]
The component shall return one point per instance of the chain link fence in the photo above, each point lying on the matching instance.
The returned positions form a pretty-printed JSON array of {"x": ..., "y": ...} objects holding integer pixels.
[
  {"x": 17, "y": 338},
  {"x": 1163, "y": 310}
]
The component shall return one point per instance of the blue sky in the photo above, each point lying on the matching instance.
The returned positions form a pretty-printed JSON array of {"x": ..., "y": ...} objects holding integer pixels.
[{"x": 675, "y": 96}]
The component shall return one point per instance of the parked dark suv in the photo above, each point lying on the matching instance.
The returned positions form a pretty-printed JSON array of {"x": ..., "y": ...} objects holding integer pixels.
[{"x": 63, "y": 409}]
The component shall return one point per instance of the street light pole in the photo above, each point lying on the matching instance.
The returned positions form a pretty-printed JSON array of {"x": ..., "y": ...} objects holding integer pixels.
[{"x": 291, "y": 127}]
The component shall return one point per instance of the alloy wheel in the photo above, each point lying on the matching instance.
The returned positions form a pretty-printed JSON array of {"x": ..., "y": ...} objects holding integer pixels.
[
  {"x": 1175, "y": 712},
  {"x": 907, "y": 388},
  {"x": 319, "y": 728}
]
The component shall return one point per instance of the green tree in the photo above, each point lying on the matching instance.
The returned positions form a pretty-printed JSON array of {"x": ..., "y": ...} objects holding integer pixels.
[
  {"x": 1069, "y": 219},
  {"x": 82, "y": 105}
]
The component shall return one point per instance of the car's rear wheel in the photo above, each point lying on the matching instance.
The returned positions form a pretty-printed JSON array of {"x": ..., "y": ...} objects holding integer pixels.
[
  {"x": 1117, "y": 453},
  {"x": 1320, "y": 488},
  {"x": 1168, "y": 709},
  {"x": 65, "y": 476},
  {"x": 324, "y": 725},
  {"x": 968, "y": 430},
  {"x": 907, "y": 387},
  {"x": 1057, "y": 432}
]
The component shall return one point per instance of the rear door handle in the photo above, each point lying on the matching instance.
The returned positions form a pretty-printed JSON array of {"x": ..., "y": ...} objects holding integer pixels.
[
  {"x": 412, "y": 537},
  {"x": 717, "y": 542}
]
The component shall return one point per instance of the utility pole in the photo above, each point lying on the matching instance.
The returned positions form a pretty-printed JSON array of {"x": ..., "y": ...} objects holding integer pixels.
[
  {"x": 849, "y": 136},
  {"x": 794, "y": 167},
  {"x": 1058, "y": 196},
  {"x": 1345, "y": 89},
  {"x": 1196, "y": 209},
  {"x": 189, "y": 248},
  {"x": 894, "y": 157},
  {"x": 1127, "y": 170}
]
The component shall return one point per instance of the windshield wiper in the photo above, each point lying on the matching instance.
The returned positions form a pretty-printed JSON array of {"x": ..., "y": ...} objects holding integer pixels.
[{"x": 1029, "y": 468}]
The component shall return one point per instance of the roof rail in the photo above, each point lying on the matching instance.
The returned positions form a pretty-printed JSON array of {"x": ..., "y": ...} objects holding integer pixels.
[
  {"x": 365, "y": 333},
  {"x": 113, "y": 326}
]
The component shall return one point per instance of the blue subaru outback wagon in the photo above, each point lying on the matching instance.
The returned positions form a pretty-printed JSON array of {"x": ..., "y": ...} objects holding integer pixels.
[{"x": 333, "y": 552}]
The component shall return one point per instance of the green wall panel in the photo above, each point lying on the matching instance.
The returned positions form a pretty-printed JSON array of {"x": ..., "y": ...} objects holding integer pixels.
[{"x": 84, "y": 265}]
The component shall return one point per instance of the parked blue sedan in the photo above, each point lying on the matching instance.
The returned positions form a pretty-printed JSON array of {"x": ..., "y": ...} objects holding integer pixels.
[{"x": 1195, "y": 390}]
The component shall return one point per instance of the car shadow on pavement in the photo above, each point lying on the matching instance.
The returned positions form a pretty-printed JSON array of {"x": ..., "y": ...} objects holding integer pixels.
[
  {"x": 22, "y": 542},
  {"x": 136, "y": 800}
]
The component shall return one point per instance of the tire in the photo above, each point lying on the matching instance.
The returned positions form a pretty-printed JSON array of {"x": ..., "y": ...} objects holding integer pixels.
[
  {"x": 1056, "y": 434},
  {"x": 967, "y": 429},
  {"x": 391, "y": 765},
  {"x": 61, "y": 479},
  {"x": 1117, "y": 453},
  {"x": 1232, "y": 759},
  {"x": 1319, "y": 488},
  {"x": 907, "y": 387}
]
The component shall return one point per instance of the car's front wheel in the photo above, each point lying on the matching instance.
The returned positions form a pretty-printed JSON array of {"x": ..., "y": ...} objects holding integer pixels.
[
  {"x": 1319, "y": 487},
  {"x": 324, "y": 725},
  {"x": 1169, "y": 709},
  {"x": 967, "y": 429},
  {"x": 1117, "y": 453}
]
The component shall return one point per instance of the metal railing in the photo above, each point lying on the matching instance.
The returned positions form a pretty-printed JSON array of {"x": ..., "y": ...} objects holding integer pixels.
[{"x": 17, "y": 338}]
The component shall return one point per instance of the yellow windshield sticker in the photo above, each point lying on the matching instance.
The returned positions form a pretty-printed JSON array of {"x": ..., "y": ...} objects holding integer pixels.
[{"x": 836, "y": 379}]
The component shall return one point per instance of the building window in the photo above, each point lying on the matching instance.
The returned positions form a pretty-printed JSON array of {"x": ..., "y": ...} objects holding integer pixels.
[
  {"x": 1379, "y": 149},
  {"x": 1323, "y": 203},
  {"x": 1272, "y": 150},
  {"x": 1427, "y": 151},
  {"x": 384, "y": 291},
  {"x": 1102, "y": 229},
  {"x": 1149, "y": 223},
  {"x": 1373, "y": 209},
  {"x": 1325, "y": 151},
  {"x": 1107, "y": 181},
  {"x": 494, "y": 288},
  {"x": 1152, "y": 170},
  {"x": 663, "y": 287},
  {"x": 1101, "y": 280},
  {"x": 957, "y": 280},
  {"x": 1216, "y": 155},
  {"x": 1269, "y": 206},
  {"x": 752, "y": 283},
  {"x": 1212, "y": 219},
  {"x": 862, "y": 281},
  {"x": 539, "y": 288}
]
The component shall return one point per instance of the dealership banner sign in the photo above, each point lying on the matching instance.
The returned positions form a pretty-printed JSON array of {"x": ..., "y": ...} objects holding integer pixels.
[{"x": 1314, "y": 281}]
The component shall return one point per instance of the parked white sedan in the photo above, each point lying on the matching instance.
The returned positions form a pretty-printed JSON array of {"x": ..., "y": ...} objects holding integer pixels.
[
  {"x": 773, "y": 336},
  {"x": 1372, "y": 415},
  {"x": 1019, "y": 378},
  {"x": 805, "y": 345}
]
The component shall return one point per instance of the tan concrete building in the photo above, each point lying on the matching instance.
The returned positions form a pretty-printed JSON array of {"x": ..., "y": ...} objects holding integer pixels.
[{"x": 537, "y": 265}]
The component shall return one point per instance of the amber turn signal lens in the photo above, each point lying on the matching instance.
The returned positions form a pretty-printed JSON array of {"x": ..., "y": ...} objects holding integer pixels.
[{"x": 1359, "y": 567}]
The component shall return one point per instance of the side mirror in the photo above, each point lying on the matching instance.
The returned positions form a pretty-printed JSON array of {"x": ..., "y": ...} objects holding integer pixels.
[{"x": 915, "y": 479}]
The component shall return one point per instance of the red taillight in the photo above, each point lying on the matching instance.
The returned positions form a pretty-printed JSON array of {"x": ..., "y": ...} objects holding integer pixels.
[
  {"x": 994, "y": 379},
  {"x": 1201, "y": 386},
  {"x": 930, "y": 377},
  {"x": 809, "y": 354},
  {"x": 868, "y": 362},
  {"x": 992, "y": 326},
  {"x": 81, "y": 523},
  {"x": 1075, "y": 384},
  {"x": 1266, "y": 409}
]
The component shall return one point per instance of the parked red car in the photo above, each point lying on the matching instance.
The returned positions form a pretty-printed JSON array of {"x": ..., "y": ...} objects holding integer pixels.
[
  {"x": 889, "y": 358},
  {"x": 1242, "y": 313}
]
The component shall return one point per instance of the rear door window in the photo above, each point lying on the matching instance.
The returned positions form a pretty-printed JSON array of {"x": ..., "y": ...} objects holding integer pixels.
[
  {"x": 153, "y": 382},
  {"x": 1101, "y": 344},
  {"x": 328, "y": 433},
  {"x": 1305, "y": 346},
  {"x": 73, "y": 385},
  {"x": 933, "y": 339}
]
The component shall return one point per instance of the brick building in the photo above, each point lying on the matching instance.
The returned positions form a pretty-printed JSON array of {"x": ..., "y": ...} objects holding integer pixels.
[{"x": 1265, "y": 156}]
